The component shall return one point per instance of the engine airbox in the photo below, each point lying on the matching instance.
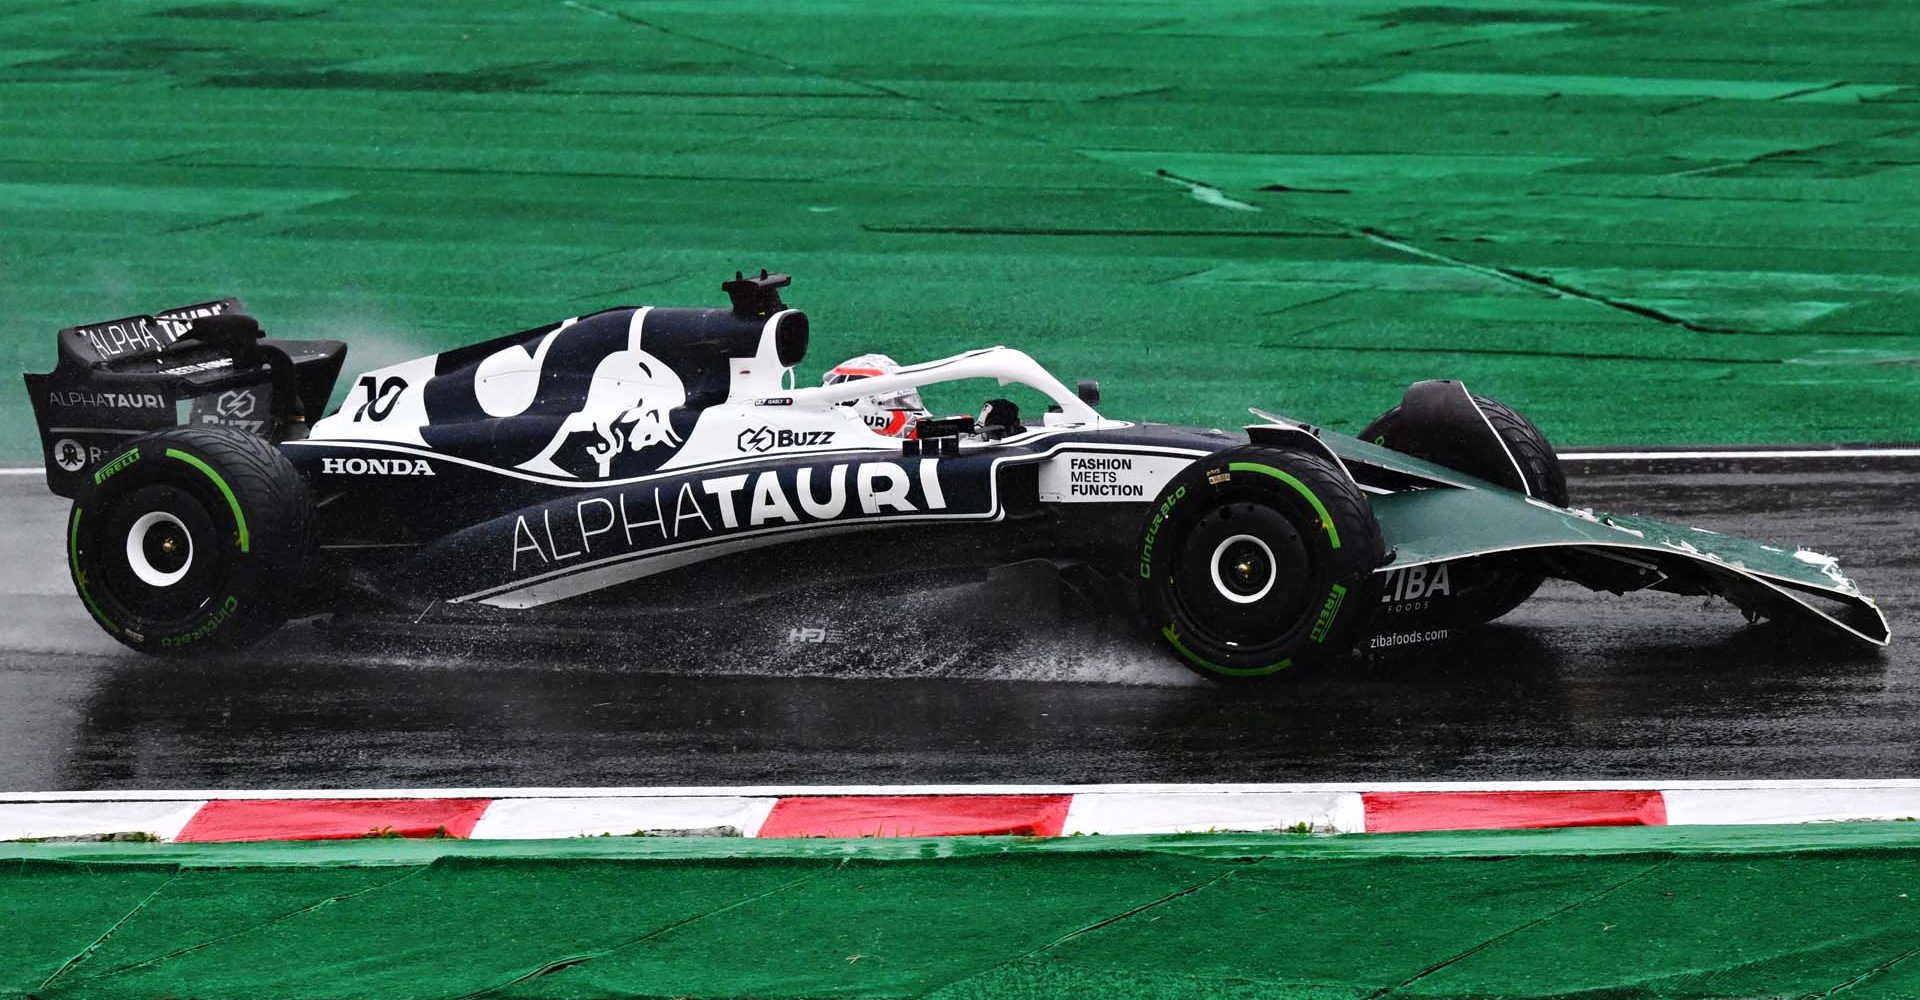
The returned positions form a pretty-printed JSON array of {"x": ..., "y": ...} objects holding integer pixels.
[
  {"x": 790, "y": 339},
  {"x": 719, "y": 350}
]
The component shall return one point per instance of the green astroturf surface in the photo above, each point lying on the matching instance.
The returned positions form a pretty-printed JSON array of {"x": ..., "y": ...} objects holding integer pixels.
[
  {"x": 1650, "y": 222},
  {"x": 1622, "y": 912}
]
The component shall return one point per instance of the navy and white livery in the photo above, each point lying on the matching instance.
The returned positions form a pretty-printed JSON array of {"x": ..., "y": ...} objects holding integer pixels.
[{"x": 664, "y": 460}]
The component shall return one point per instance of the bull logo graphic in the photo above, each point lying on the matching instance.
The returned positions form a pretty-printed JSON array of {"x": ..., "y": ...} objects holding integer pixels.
[{"x": 627, "y": 409}]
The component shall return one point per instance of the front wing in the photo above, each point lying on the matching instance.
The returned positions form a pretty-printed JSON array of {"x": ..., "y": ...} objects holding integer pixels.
[{"x": 1457, "y": 517}]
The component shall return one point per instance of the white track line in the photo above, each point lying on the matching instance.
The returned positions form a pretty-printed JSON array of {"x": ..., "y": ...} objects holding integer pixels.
[{"x": 790, "y": 791}]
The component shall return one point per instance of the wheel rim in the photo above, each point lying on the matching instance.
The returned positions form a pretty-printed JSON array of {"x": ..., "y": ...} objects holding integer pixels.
[
  {"x": 1243, "y": 569},
  {"x": 159, "y": 557},
  {"x": 1242, "y": 575},
  {"x": 159, "y": 549}
]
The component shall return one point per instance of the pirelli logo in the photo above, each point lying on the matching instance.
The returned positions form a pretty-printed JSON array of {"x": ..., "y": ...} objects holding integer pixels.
[
  {"x": 106, "y": 471},
  {"x": 1328, "y": 612}
]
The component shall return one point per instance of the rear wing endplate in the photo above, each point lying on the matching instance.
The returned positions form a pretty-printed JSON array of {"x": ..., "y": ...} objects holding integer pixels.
[{"x": 207, "y": 363}]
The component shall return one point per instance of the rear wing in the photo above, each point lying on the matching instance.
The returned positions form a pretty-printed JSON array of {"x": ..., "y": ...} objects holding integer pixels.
[{"x": 208, "y": 363}]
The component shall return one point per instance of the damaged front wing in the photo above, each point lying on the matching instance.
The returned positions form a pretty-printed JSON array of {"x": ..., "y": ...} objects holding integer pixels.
[{"x": 1437, "y": 515}]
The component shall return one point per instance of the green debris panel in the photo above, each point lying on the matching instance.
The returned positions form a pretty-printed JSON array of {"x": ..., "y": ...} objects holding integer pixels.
[
  {"x": 203, "y": 906},
  {"x": 1653, "y": 913},
  {"x": 461, "y": 925},
  {"x": 1297, "y": 205},
  {"x": 54, "y": 914},
  {"x": 896, "y": 930}
]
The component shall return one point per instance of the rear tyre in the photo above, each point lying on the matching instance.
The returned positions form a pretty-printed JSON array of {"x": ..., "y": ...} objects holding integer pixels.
[
  {"x": 191, "y": 538},
  {"x": 1487, "y": 588},
  {"x": 1256, "y": 561}
]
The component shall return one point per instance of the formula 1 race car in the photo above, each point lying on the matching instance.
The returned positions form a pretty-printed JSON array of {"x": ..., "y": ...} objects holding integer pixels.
[{"x": 663, "y": 458}]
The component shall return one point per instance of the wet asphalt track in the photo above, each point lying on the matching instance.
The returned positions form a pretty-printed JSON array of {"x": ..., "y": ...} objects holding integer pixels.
[{"x": 1574, "y": 685}]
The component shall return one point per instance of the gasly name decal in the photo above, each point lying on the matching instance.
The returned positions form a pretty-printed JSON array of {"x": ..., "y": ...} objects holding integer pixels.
[{"x": 643, "y": 516}]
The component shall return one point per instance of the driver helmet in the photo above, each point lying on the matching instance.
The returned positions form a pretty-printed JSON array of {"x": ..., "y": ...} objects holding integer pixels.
[{"x": 890, "y": 413}]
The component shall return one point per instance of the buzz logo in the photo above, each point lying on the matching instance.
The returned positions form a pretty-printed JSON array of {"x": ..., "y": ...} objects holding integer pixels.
[
  {"x": 375, "y": 467},
  {"x": 231, "y": 408},
  {"x": 755, "y": 439},
  {"x": 235, "y": 404}
]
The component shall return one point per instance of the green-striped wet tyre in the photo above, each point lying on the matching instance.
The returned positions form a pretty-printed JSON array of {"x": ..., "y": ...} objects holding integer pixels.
[
  {"x": 1486, "y": 588},
  {"x": 191, "y": 538},
  {"x": 1257, "y": 563}
]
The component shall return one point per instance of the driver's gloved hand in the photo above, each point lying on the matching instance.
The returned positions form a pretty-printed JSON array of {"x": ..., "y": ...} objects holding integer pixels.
[{"x": 999, "y": 418}]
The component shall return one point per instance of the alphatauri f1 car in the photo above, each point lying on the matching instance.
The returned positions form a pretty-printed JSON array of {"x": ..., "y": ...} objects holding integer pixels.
[{"x": 663, "y": 456}]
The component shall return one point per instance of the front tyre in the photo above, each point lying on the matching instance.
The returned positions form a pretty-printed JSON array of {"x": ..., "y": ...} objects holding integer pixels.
[
  {"x": 1255, "y": 561},
  {"x": 191, "y": 538},
  {"x": 1484, "y": 589}
]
